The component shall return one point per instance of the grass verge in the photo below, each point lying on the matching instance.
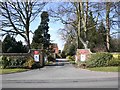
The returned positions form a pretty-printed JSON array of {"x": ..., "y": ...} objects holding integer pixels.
[
  {"x": 105, "y": 69},
  {"x": 8, "y": 71}
]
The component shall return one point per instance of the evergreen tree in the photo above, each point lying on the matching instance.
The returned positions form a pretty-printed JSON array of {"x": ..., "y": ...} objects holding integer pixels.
[
  {"x": 69, "y": 49},
  {"x": 101, "y": 44},
  {"x": 91, "y": 32},
  {"x": 7, "y": 45},
  {"x": 0, "y": 46},
  {"x": 10, "y": 45},
  {"x": 41, "y": 38},
  {"x": 115, "y": 45},
  {"x": 21, "y": 48}
]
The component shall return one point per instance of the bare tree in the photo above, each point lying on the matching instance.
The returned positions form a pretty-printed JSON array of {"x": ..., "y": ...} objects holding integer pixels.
[
  {"x": 109, "y": 15},
  {"x": 75, "y": 14},
  {"x": 108, "y": 25},
  {"x": 17, "y": 16}
]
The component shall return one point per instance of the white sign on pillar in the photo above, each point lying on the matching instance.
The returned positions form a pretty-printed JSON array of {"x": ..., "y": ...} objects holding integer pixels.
[
  {"x": 82, "y": 57},
  {"x": 36, "y": 58}
]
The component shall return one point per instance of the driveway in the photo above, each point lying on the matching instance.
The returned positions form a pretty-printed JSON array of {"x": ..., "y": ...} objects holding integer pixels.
[{"x": 60, "y": 75}]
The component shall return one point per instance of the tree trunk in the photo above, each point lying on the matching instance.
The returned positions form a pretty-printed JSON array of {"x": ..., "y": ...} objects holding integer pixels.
[
  {"x": 27, "y": 23},
  {"x": 107, "y": 26},
  {"x": 79, "y": 26},
  {"x": 86, "y": 19},
  {"x": 80, "y": 18}
]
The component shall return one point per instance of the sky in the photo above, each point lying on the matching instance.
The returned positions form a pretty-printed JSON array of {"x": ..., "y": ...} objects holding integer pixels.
[{"x": 53, "y": 29}]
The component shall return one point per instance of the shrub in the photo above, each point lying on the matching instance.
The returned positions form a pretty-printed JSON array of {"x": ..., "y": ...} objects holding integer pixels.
[
  {"x": 36, "y": 65},
  {"x": 51, "y": 58},
  {"x": 16, "y": 62},
  {"x": 114, "y": 62},
  {"x": 29, "y": 62},
  {"x": 4, "y": 61},
  {"x": 70, "y": 58},
  {"x": 99, "y": 60},
  {"x": 116, "y": 55},
  {"x": 119, "y": 57},
  {"x": 58, "y": 56}
]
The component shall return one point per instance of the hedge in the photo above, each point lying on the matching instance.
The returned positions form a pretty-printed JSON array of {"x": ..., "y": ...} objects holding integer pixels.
[{"x": 99, "y": 60}]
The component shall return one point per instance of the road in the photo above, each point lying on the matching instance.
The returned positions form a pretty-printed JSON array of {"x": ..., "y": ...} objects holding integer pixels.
[{"x": 62, "y": 75}]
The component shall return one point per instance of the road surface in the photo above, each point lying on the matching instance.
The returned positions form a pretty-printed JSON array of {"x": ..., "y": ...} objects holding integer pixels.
[{"x": 60, "y": 75}]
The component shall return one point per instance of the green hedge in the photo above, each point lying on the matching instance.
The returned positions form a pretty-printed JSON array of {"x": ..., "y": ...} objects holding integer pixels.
[
  {"x": 99, "y": 60},
  {"x": 12, "y": 62},
  {"x": 114, "y": 62}
]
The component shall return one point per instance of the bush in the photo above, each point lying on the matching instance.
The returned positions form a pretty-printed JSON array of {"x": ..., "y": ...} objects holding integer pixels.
[
  {"x": 114, "y": 62},
  {"x": 58, "y": 56},
  {"x": 119, "y": 57},
  {"x": 99, "y": 60},
  {"x": 29, "y": 62},
  {"x": 51, "y": 58},
  {"x": 70, "y": 58},
  {"x": 12, "y": 62},
  {"x": 4, "y": 61},
  {"x": 36, "y": 65}
]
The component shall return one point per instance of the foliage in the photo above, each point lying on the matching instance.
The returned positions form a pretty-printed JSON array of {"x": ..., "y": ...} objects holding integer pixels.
[
  {"x": 4, "y": 62},
  {"x": 92, "y": 28},
  {"x": 101, "y": 39},
  {"x": 29, "y": 62},
  {"x": 58, "y": 56},
  {"x": 10, "y": 45},
  {"x": 99, "y": 60},
  {"x": 12, "y": 62},
  {"x": 114, "y": 44},
  {"x": 0, "y": 46},
  {"x": 63, "y": 54},
  {"x": 69, "y": 49},
  {"x": 119, "y": 57},
  {"x": 41, "y": 38},
  {"x": 70, "y": 58},
  {"x": 51, "y": 58},
  {"x": 18, "y": 16},
  {"x": 37, "y": 38},
  {"x": 114, "y": 62},
  {"x": 91, "y": 33},
  {"x": 35, "y": 65}
]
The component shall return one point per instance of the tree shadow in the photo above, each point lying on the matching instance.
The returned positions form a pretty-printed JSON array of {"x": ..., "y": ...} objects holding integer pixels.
[{"x": 56, "y": 64}]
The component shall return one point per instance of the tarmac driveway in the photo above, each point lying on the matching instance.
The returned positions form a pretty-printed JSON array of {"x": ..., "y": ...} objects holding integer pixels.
[{"x": 60, "y": 75}]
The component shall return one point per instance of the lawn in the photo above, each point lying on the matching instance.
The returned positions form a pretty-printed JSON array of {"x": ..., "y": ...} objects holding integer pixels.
[
  {"x": 105, "y": 69},
  {"x": 7, "y": 71}
]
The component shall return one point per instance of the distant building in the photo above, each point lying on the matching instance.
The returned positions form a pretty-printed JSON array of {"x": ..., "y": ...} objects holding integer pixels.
[{"x": 54, "y": 48}]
